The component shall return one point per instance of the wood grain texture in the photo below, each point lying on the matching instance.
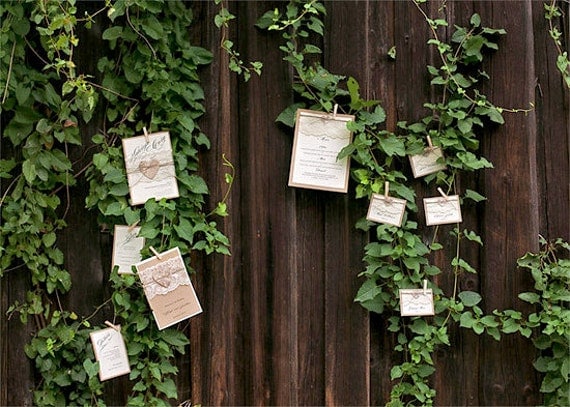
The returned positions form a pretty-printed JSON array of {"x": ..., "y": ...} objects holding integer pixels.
[{"x": 280, "y": 326}]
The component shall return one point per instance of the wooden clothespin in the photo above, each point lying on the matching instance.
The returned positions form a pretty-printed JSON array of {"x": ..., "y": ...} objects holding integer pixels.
[
  {"x": 430, "y": 145},
  {"x": 145, "y": 132},
  {"x": 131, "y": 227},
  {"x": 335, "y": 110},
  {"x": 443, "y": 194},
  {"x": 153, "y": 250},
  {"x": 425, "y": 287},
  {"x": 115, "y": 327},
  {"x": 387, "y": 191}
]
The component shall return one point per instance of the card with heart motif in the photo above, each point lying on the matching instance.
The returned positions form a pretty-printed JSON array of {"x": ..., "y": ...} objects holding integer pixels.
[
  {"x": 150, "y": 167},
  {"x": 387, "y": 210},
  {"x": 416, "y": 302},
  {"x": 168, "y": 288},
  {"x": 126, "y": 248},
  {"x": 319, "y": 138},
  {"x": 441, "y": 210},
  {"x": 110, "y": 352},
  {"x": 430, "y": 161}
]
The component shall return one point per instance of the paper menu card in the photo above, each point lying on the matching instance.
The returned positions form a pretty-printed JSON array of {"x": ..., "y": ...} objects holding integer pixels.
[
  {"x": 168, "y": 288},
  {"x": 319, "y": 138}
]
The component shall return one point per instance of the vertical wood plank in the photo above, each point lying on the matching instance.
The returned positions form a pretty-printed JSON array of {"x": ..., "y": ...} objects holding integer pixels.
[
  {"x": 347, "y": 331},
  {"x": 553, "y": 129},
  {"x": 511, "y": 214}
]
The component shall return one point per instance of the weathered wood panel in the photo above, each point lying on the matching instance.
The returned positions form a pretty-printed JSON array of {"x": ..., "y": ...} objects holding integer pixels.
[{"x": 279, "y": 325}]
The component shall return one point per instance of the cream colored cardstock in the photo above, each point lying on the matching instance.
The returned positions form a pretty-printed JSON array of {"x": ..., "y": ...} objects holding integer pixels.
[
  {"x": 150, "y": 167},
  {"x": 386, "y": 210},
  {"x": 126, "y": 248},
  {"x": 430, "y": 161},
  {"x": 110, "y": 352},
  {"x": 442, "y": 210},
  {"x": 168, "y": 288},
  {"x": 319, "y": 138},
  {"x": 416, "y": 302}
]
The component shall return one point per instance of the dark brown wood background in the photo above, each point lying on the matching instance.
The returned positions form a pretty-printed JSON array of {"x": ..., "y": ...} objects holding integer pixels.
[{"x": 280, "y": 326}]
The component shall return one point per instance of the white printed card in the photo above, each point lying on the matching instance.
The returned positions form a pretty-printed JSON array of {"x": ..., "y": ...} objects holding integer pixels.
[
  {"x": 386, "y": 210},
  {"x": 110, "y": 352},
  {"x": 126, "y": 248}
]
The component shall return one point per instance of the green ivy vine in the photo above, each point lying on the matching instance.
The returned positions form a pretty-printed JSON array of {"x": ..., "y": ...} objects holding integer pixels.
[
  {"x": 149, "y": 78},
  {"x": 397, "y": 257},
  {"x": 551, "y": 13}
]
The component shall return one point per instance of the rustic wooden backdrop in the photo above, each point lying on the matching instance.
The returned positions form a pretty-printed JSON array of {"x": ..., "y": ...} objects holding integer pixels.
[{"x": 280, "y": 326}]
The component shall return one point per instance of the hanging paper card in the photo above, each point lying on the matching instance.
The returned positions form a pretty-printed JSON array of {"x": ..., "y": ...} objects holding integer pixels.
[
  {"x": 126, "y": 248},
  {"x": 110, "y": 352},
  {"x": 416, "y": 302},
  {"x": 386, "y": 210},
  {"x": 442, "y": 210},
  {"x": 430, "y": 161},
  {"x": 168, "y": 288},
  {"x": 150, "y": 167},
  {"x": 319, "y": 138}
]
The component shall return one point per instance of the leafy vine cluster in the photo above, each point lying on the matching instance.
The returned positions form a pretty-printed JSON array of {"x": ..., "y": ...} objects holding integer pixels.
[
  {"x": 149, "y": 77},
  {"x": 398, "y": 258}
]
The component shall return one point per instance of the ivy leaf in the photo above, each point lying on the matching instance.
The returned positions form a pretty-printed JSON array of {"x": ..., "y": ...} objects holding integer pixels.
[
  {"x": 469, "y": 298},
  {"x": 287, "y": 116},
  {"x": 368, "y": 291},
  {"x": 474, "y": 196},
  {"x": 531, "y": 298},
  {"x": 393, "y": 145},
  {"x": 168, "y": 388}
]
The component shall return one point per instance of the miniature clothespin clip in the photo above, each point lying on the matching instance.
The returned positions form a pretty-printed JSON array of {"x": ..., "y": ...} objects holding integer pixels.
[
  {"x": 335, "y": 110},
  {"x": 153, "y": 250},
  {"x": 425, "y": 287},
  {"x": 115, "y": 327},
  {"x": 145, "y": 132},
  {"x": 386, "y": 191},
  {"x": 430, "y": 145},
  {"x": 443, "y": 194},
  {"x": 131, "y": 227}
]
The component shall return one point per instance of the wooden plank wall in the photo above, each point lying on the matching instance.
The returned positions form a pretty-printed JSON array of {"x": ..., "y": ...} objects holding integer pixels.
[{"x": 280, "y": 326}]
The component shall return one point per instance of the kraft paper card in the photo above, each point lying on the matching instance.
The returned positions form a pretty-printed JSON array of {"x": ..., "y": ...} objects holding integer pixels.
[
  {"x": 126, "y": 248},
  {"x": 442, "y": 210},
  {"x": 416, "y": 302},
  {"x": 150, "y": 167},
  {"x": 168, "y": 288},
  {"x": 110, "y": 352},
  {"x": 319, "y": 138},
  {"x": 386, "y": 210},
  {"x": 430, "y": 161}
]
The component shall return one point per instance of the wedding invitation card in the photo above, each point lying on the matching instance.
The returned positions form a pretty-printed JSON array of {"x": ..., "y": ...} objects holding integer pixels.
[
  {"x": 110, "y": 352},
  {"x": 168, "y": 288},
  {"x": 126, "y": 248},
  {"x": 150, "y": 167}
]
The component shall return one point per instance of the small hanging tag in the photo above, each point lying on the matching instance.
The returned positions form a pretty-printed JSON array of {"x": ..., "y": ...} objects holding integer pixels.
[
  {"x": 444, "y": 209},
  {"x": 153, "y": 250},
  {"x": 146, "y": 138},
  {"x": 416, "y": 302},
  {"x": 127, "y": 248}
]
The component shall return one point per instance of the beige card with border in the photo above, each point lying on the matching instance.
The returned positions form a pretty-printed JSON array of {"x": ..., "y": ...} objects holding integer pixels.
[
  {"x": 111, "y": 353},
  {"x": 319, "y": 138},
  {"x": 430, "y": 161},
  {"x": 387, "y": 210},
  {"x": 150, "y": 167},
  {"x": 442, "y": 210},
  {"x": 416, "y": 302},
  {"x": 168, "y": 288}
]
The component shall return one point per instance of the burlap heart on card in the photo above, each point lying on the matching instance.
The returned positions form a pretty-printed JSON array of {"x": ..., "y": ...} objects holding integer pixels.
[
  {"x": 162, "y": 277},
  {"x": 149, "y": 168}
]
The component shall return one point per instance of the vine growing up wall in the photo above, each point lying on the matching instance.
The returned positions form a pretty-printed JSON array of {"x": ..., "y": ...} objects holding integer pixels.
[
  {"x": 400, "y": 258},
  {"x": 149, "y": 79}
]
